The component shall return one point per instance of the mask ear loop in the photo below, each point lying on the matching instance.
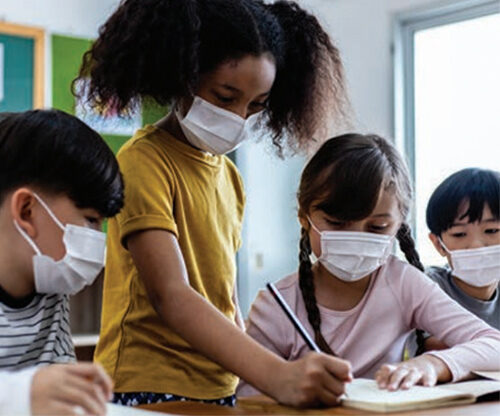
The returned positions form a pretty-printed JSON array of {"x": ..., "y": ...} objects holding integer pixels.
[
  {"x": 27, "y": 238},
  {"x": 313, "y": 226},
  {"x": 442, "y": 245},
  {"x": 49, "y": 211}
]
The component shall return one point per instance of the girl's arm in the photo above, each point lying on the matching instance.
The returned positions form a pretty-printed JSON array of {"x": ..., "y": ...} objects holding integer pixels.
[
  {"x": 238, "y": 315},
  {"x": 474, "y": 344},
  {"x": 310, "y": 381}
]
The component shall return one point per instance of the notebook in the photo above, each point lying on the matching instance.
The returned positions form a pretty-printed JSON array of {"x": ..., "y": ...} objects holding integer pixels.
[
  {"x": 364, "y": 394},
  {"x": 117, "y": 410}
]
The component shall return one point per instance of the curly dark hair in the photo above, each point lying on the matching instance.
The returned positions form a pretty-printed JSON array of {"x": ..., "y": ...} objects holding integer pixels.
[{"x": 158, "y": 49}]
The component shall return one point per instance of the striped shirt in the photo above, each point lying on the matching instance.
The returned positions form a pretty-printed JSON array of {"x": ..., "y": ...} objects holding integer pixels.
[{"x": 34, "y": 331}]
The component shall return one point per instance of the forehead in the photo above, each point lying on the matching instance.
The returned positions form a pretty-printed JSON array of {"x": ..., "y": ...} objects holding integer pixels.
[
  {"x": 253, "y": 75},
  {"x": 464, "y": 207},
  {"x": 387, "y": 203}
]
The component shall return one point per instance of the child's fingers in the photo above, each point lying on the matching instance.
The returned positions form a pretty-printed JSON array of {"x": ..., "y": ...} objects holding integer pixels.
[
  {"x": 382, "y": 376},
  {"x": 89, "y": 402},
  {"x": 396, "y": 377},
  {"x": 328, "y": 398},
  {"x": 429, "y": 379},
  {"x": 413, "y": 377},
  {"x": 95, "y": 373},
  {"x": 332, "y": 384},
  {"x": 341, "y": 369}
]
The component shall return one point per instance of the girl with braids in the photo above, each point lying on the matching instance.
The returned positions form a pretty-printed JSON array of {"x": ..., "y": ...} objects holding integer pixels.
[
  {"x": 358, "y": 300},
  {"x": 170, "y": 323}
]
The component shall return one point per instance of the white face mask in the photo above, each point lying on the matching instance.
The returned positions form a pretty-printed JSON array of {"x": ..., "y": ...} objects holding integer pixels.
[
  {"x": 213, "y": 129},
  {"x": 477, "y": 267},
  {"x": 84, "y": 259},
  {"x": 351, "y": 255}
]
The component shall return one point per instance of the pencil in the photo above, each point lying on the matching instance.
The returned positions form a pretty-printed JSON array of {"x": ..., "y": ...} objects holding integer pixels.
[
  {"x": 293, "y": 318},
  {"x": 295, "y": 321}
]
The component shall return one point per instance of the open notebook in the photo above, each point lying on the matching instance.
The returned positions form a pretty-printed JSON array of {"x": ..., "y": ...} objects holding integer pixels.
[{"x": 365, "y": 395}]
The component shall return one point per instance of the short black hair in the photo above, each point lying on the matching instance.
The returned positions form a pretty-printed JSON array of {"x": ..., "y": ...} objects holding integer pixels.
[
  {"x": 58, "y": 153},
  {"x": 473, "y": 185}
]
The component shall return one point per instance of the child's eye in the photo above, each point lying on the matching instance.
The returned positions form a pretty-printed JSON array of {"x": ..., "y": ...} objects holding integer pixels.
[
  {"x": 224, "y": 99},
  {"x": 458, "y": 235},
  {"x": 259, "y": 105},
  {"x": 92, "y": 220},
  {"x": 379, "y": 227},
  {"x": 491, "y": 231},
  {"x": 336, "y": 223}
]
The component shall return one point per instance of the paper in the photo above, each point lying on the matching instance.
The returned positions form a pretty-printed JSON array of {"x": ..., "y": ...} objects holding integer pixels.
[{"x": 118, "y": 410}]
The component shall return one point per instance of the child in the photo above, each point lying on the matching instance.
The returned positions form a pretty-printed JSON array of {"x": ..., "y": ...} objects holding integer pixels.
[
  {"x": 359, "y": 300},
  {"x": 463, "y": 217},
  {"x": 171, "y": 328},
  {"x": 58, "y": 180}
]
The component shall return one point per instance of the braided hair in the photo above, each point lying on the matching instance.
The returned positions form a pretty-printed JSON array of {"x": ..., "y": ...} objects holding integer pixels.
[
  {"x": 331, "y": 184},
  {"x": 306, "y": 283}
]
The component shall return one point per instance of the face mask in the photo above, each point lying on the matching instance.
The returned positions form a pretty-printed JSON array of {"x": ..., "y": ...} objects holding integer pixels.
[
  {"x": 213, "y": 129},
  {"x": 351, "y": 255},
  {"x": 477, "y": 267},
  {"x": 84, "y": 259}
]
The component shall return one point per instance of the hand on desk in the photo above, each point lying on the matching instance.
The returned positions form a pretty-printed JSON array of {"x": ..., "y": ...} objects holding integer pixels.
[
  {"x": 70, "y": 389},
  {"x": 425, "y": 369},
  {"x": 313, "y": 380}
]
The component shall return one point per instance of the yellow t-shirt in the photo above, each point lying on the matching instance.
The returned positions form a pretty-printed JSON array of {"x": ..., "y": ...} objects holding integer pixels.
[{"x": 199, "y": 198}]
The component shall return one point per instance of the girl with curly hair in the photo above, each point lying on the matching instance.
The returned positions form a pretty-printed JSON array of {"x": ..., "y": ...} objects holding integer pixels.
[{"x": 171, "y": 327}]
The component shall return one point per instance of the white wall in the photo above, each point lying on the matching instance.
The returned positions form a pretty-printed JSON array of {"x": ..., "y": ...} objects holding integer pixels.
[
  {"x": 72, "y": 17},
  {"x": 362, "y": 29}
]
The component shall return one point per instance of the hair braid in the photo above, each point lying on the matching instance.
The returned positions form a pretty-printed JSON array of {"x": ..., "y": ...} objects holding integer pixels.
[
  {"x": 407, "y": 246},
  {"x": 306, "y": 283}
]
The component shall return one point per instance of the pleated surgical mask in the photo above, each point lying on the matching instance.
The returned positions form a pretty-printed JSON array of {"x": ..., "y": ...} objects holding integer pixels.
[{"x": 84, "y": 258}]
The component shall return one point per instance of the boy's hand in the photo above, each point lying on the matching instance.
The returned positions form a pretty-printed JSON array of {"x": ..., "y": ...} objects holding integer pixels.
[
  {"x": 70, "y": 389},
  {"x": 317, "y": 379},
  {"x": 426, "y": 370}
]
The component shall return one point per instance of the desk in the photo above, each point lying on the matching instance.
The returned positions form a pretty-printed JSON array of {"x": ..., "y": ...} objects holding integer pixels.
[{"x": 260, "y": 405}]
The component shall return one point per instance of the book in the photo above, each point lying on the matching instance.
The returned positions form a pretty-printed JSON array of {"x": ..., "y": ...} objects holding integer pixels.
[
  {"x": 364, "y": 394},
  {"x": 118, "y": 410}
]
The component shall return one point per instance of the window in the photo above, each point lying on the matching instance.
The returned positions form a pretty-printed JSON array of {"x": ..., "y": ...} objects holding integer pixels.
[{"x": 447, "y": 98}]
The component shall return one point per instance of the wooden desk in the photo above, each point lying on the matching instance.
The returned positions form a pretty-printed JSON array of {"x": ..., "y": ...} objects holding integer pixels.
[{"x": 260, "y": 405}]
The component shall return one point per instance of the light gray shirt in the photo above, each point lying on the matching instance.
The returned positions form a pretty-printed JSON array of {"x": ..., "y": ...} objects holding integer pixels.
[{"x": 488, "y": 311}]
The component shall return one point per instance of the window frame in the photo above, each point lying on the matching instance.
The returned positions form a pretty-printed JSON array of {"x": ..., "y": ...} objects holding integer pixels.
[{"x": 405, "y": 25}]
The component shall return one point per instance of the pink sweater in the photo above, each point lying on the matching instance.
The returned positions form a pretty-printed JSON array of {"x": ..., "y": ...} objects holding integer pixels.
[{"x": 398, "y": 299}]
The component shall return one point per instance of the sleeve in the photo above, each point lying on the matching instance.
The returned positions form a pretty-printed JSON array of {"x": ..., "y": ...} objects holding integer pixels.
[
  {"x": 15, "y": 392},
  {"x": 474, "y": 344},
  {"x": 267, "y": 329},
  {"x": 149, "y": 191}
]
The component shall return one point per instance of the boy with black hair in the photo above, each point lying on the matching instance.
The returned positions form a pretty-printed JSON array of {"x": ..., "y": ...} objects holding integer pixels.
[
  {"x": 463, "y": 217},
  {"x": 58, "y": 181}
]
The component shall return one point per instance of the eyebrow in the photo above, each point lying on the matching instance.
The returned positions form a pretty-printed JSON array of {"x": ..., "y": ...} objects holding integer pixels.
[
  {"x": 458, "y": 224},
  {"x": 234, "y": 89},
  {"x": 386, "y": 215}
]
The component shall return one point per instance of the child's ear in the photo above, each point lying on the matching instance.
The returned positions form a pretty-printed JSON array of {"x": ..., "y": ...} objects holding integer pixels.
[
  {"x": 437, "y": 244},
  {"x": 21, "y": 208},
  {"x": 304, "y": 222}
]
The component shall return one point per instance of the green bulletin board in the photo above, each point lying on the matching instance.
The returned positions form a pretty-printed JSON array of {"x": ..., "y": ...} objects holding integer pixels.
[{"x": 67, "y": 53}]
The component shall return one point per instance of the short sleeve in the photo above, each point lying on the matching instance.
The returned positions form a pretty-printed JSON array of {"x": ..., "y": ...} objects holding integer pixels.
[{"x": 149, "y": 191}]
